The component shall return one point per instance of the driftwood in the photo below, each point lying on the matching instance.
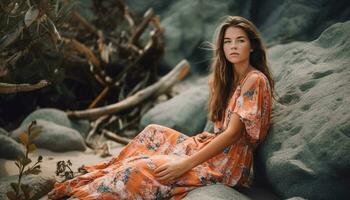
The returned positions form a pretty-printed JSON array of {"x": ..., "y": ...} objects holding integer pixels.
[
  {"x": 6, "y": 88},
  {"x": 95, "y": 125},
  {"x": 163, "y": 85},
  {"x": 115, "y": 137}
]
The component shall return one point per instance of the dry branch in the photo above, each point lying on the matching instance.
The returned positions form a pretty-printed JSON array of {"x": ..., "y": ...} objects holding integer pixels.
[
  {"x": 85, "y": 23},
  {"x": 115, "y": 137},
  {"x": 141, "y": 28},
  {"x": 95, "y": 125},
  {"x": 6, "y": 88},
  {"x": 127, "y": 15},
  {"x": 163, "y": 85},
  {"x": 99, "y": 97}
]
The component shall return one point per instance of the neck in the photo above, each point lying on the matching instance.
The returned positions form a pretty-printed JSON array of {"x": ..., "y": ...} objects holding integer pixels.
[{"x": 241, "y": 69}]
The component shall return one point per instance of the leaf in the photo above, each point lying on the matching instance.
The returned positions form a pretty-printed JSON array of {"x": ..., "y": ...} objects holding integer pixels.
[
  {"x": 35, "y": 131},
  {"x": 53, "y": 31},
  {"x": 35, "y": 171},
  {"x": 11, "y": 37},
  {"x": 24, "y": 138},
  {"x": 11, "y": 195},
  {"x": 14, "y": 187},
  {"x": 30, "y": 16},
  {"x": 17, "y": 164},
  {"x": 66, "y": 10},
  {"x": 31, "y": 148},
  {"x": 26, "y": 190},
  {"x": 26, "y": 161}
]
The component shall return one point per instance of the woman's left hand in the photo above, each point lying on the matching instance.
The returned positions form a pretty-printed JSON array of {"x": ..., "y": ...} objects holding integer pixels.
[{"x": 171, "y": 170}]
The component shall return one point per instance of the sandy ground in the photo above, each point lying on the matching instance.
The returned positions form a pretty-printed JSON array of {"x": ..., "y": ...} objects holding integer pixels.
[{"x": 48, "y": 166}]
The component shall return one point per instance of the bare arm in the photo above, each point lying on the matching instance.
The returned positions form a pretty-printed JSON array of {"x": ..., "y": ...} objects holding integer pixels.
[
  {"x": 230, "y": 136},
  {"x": 226, "y": 138}
]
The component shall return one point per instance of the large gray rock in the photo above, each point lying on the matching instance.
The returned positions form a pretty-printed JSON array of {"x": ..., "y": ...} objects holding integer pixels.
[
  {"x": 215, "y": 192},
  {"x": 54, "y": 137},
  {"x": 9, "y": 148},
  {"x": 282, "y": 21},
  {"x": 307, "y": 151},
  {"x": 189, "y": 23},
  {"x": 40, "y": 185},
  {"x": 59, "y": 117},
  {"x": 186, "y": 112}
]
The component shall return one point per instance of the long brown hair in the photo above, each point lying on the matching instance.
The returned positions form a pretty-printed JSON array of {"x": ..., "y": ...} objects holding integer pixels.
[{"x": 221, "y": 80}]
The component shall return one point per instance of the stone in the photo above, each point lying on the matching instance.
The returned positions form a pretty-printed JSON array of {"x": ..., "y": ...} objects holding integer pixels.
[
  {"x": 186, "y": 112},
  {"x": 215, "y": 192},
  {"x": 59, "y": 117},
  {"x": 9, "y": 148},
  {"x": 54, "y": 137},
  {"x": 306, "y": 153}
]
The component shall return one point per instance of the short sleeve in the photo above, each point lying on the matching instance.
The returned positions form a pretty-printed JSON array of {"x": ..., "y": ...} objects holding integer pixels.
[{"x": 254, "y": 107}]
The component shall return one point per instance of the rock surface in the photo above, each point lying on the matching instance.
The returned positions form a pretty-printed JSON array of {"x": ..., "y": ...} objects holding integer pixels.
[
  {"x": 9, "y": 148},
  {"x": 189, "y": 23},
  {"x": 54, "y": 137},
  {"x": 215, "y": 192},
  {"x": 307, "y": 151},
  {"x": 40, "y": 185},
  {"x": 186, "y": 112},
  {"x": 58, "y": 117}
]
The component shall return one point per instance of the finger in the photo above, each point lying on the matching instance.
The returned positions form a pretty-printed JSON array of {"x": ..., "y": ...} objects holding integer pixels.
[
  {"x": 165, "y": 178},
  {"x": 162, "y": 173},
  {"x": 160, "y": 168}
]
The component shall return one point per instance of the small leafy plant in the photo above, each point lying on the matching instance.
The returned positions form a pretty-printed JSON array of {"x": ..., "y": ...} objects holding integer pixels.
[{"x": 23, "y": 191}]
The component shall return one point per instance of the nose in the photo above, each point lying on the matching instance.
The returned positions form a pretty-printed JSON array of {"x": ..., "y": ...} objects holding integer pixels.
[{"x": 233, "y": 45}]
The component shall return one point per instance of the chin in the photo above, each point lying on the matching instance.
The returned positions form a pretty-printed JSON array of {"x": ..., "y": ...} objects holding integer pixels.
[{"x": 234, "y": 61}]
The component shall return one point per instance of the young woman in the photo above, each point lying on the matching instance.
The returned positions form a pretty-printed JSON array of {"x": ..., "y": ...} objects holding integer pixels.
[{"x": 161, "y": 163}]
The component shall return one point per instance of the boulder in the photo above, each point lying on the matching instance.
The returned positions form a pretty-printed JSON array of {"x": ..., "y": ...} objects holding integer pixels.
[
  {"x": 54, "y": 137},
  {"x": 59, "y": 117},
  {"x": 190, "y": 23},
  {"x": 215, "y": 192},
  {"x": 186, "y": 112},
  {"x": 306, "y": 153},
  {"x": 9, "y": 148}
]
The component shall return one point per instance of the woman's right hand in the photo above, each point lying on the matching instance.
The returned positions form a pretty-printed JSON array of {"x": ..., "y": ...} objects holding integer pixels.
[{"x": 202, "y": 137}]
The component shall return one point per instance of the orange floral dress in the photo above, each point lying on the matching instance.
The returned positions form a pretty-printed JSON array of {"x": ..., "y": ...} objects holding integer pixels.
[{"x": 130, "y": 175}]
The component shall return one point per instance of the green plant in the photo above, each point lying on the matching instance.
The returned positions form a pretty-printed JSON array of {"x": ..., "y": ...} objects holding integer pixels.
[{"x": 23, "y": 191}]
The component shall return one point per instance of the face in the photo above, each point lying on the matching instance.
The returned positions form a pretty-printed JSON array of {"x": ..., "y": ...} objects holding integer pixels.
[{"x": 236, "y": 45}]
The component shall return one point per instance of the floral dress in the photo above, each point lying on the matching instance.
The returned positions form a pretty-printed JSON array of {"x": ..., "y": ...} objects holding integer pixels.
[{"x": 130, "y": 175}]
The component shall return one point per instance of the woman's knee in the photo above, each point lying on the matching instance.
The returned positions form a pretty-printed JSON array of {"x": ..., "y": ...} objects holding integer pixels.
[{"x": 153, "y": 127}]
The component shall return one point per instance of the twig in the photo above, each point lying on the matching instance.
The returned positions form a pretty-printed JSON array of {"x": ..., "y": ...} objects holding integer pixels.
[
  {"x": 93, "y": 130},
  {"x": 115, "y": 137},
  {"x": 141, "y": 28},
  {"x": 85, "y": 23},
  {"x": 6, "y": 88},
  {"x": 99, "y": 97},
  {"x": 127, "y": 15}
]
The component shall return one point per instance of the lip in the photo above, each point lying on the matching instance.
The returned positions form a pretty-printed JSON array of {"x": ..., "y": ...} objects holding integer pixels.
[{"x": 234, "y": 54}]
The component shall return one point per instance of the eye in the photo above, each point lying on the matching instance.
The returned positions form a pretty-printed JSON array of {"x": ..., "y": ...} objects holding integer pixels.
[
  {"x": 241, "y": 40},
  {"x": 227, "y": 41}
]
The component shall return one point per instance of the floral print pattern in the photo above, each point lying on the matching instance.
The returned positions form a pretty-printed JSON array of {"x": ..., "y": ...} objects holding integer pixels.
[{"x": 130, "y": 175}]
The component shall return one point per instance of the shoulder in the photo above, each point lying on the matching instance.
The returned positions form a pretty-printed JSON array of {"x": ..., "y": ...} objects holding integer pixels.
[{"x": 253, "y": 79}]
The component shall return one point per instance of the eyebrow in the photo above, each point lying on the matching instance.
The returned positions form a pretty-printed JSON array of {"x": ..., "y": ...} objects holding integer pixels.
[{"x": 236, "y": 38}]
